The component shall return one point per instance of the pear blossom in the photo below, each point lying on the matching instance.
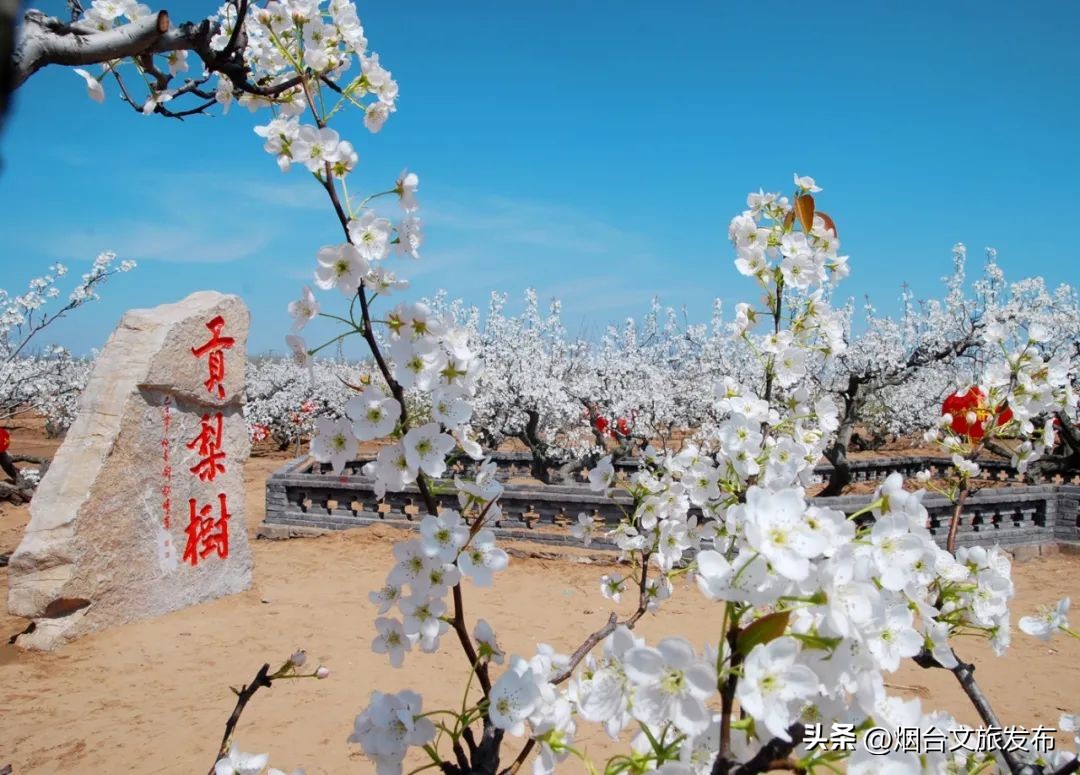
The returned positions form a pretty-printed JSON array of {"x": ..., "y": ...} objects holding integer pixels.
[
  {"x": 486, "y": 643},
  {"x": 895, "y": 551},
  {"x": 315, "y": 147},
  {"x": 334, "y": 443},
  {"x": 416, "y": 363},
  {"x": 409, "y": 236},
  {"x": 413, "y": 563},
  {"x": 806, "y": 183},
  {"x": 583, "y": 529},
  {"x": 603, "y": 475},
  {"x": 342, "y": 267},
  {"x": 1048, "y": 622},
  {"x": 373, "y": 414},
  {"x": 671, "y": 684},
  {"x": 896, "y": 638},
  {"x": 375, "y": 116},
  {"x": 392, "y": 640},
  {"x": 304, "y": 309},
  {"x": 406, "y": 186},
  {"x": 389, "y": 726},
  {"x": 774, "y": 685},
  {"x": 482, "y": 558},
  {"x": 385, "y": 597},
  {"x": 514, "y": 697},
  {"x": 238, "y": 763},
  {"x": 450, "y": 406},
  {"x": 423, "y": 620},
  {"x": 612, "y": 586},
  {"x": 94, "y": 89},
  {"x": 443, "y": 535},
  {"x": 371, "y": 235},
  {"x": 426, "y": 448},
  {"x": 775, "y": 526}
]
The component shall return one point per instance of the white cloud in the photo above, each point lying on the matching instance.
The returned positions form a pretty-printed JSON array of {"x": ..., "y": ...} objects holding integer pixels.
[{"x": 165, "y": 242}]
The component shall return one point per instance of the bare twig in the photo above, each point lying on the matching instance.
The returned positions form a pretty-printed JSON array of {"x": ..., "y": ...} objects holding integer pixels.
[
  {"x": 965, "y": 676},
  {"x": 261, "y": 680},
  {"x": 958, "y": 512}
]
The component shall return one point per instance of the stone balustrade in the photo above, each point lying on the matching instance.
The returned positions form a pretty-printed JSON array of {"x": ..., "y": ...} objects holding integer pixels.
[
  {"x": 511, "y": 465},
  {"x": 300, "y": 497}
]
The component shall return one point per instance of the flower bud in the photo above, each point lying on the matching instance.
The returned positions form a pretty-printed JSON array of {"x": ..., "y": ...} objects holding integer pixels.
[
  {"x": 322, "y": 672},
  {"x": 298, "y": 658}
]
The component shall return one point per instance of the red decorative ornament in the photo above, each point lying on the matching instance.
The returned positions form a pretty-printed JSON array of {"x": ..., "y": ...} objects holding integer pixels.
[
  {"x": 972, "y": 401},
  {"x": 622, "y": 427},
  {"x": 601, "y": 424},
  {"x": 5, "y": 440}
]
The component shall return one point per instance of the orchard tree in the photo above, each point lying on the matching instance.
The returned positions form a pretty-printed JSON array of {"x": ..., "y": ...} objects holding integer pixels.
[
  {"x": 47, "y": 381},
  {"x": 926, "y": 340},
  {"x": 523, "y": 391},
  {"x": 284, "y": 400},
  {"x": 894, "y": 376}
]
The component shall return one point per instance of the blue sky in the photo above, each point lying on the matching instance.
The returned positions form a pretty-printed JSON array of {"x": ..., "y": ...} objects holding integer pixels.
[{"x": 595, "y": 151}]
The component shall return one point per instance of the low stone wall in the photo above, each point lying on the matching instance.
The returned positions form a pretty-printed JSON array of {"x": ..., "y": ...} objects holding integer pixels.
[
  {"x": 300, "y": 499},
  {"x": 512, "y": 465}
]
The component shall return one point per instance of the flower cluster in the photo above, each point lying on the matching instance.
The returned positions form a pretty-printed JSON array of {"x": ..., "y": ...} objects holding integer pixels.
[
  {"x": 1024, "y": 383},
  {"x": 50, "y": 380}
]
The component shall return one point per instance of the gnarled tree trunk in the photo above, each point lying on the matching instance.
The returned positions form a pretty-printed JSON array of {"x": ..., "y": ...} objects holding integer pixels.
[{"x": 837, "y": 453}]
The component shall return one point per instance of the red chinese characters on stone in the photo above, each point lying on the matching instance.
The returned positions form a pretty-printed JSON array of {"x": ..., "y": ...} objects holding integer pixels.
[
  {"x": 166, "y": 468},
  {"x": 208, "y": 527},
  {"x": 205, "y": 534},
  {"x": 208, "y": 444},
  {"x": 214, "y": 350}
]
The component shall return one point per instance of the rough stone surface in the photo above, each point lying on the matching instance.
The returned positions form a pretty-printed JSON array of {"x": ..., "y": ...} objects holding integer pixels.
[{"x": 110, "y": 525}]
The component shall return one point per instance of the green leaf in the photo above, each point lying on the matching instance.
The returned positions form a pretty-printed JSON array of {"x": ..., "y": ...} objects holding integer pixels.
[{"x": 765, "y": 629}]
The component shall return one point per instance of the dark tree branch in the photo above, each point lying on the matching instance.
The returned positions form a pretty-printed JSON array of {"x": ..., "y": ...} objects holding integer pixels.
[
  {"x": 7, "y": 465},
  {"x": 14, "y": 493},
  {"x": 261, "y": 680},
  {"x": 9, "y": 10},
  {"x": 965, "y": 676},
  {"x": 773, "y": 755}
]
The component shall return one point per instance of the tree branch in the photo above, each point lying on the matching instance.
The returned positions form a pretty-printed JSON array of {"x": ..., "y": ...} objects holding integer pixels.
[
  {"x": 49, "y": 41},
  {"x": 773, "y": 754},
  {"x": 965, "y": 675},
  {"x": 244, "y": 696}
]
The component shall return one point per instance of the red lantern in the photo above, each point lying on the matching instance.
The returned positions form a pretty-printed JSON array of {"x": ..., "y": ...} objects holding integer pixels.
[
  {"x": 622, "y": 427},
  {"x": 5, "y": 440},
  {"x": 601, "y": 424},
  {"x": 972, "y": 401}
]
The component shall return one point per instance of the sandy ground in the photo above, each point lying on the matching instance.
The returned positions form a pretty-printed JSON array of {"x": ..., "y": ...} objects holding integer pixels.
[{"x": 153, "y": 697}]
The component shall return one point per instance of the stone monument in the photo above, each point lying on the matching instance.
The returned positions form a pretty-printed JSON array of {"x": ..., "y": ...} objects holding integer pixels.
[{"x": 142, "y": 510}]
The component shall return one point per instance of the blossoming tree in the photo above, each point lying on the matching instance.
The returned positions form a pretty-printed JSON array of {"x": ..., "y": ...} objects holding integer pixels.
[{"x": 47, "y": 381}]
